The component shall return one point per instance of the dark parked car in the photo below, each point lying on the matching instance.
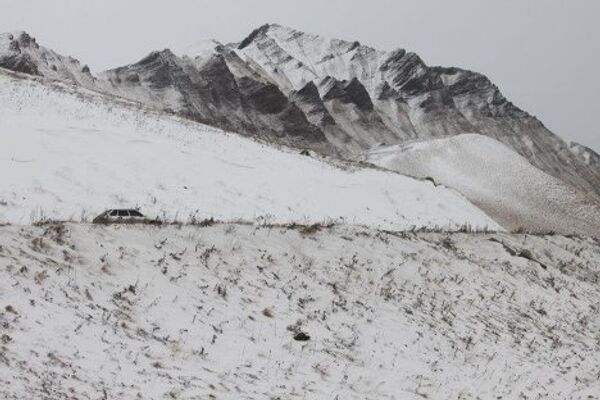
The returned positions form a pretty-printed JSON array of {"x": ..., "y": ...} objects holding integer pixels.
[{"x": 123, "y": 216}]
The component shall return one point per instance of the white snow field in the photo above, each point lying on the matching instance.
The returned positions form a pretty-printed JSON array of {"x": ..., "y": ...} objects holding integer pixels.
[
  {"x": 68, "y": 153},
  {"x": 498, "y": 180},
  {"x": 139, "y": 312}
]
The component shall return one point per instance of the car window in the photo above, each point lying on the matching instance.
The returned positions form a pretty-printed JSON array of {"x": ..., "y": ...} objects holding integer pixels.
[
  {"x": 113, "y": 213},
  {"x": 123, "y": 213},
  {"x": 135, "y": 213}
]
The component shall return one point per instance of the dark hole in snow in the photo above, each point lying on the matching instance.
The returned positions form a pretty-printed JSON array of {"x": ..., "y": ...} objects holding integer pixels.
[{"x": 301, "y": 337}]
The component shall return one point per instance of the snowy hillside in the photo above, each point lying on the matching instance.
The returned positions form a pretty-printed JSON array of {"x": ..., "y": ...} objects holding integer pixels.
[
  {"x": 498, "y": 180},
  {"x": 70, "y": 154},
  {"x": 90, "y": 312}
]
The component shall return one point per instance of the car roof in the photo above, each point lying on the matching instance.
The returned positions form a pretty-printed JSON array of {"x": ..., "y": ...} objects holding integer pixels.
[{"x": 128, "y": 210}]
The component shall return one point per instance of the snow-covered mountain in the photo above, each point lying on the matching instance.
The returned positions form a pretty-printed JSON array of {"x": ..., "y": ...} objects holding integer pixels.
[
  {"x": 407, "y": 99},
  {"x": 345, "y": 100},
  {"x": 306, "y": 275},
  {"x": 334, "y": 96},
  {"x": 20, "y": 52},
  {"x": 69, "y": 153},
  {"x": 496, "y": 179}
]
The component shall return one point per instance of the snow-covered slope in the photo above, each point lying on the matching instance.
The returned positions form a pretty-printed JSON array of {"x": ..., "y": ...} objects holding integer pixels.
[
  {"x": 68, "y": 153},
  {"x": 90, "y": 312},
  {"x": 498, "y": 180}
]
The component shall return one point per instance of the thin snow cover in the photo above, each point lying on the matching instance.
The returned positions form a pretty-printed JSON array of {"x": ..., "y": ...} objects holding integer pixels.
[
  {"x": 69, "y": 154},
  {"x": 498, "y": 180},
  {"x": 121, "y": 312}
]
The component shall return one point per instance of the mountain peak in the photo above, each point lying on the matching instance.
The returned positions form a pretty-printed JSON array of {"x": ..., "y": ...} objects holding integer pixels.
[
  {"x": 20, "y": 52},
  {"x": 256, "y": 33},
  {"x": 12, "y": 43},
  {"x": 165, "y": 55},
  {"x": 22, "y": 37},
  {"x": 201, "y": 48}
]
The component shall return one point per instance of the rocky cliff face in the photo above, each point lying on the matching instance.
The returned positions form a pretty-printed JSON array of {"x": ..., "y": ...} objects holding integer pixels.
[
  {"x": 337, "y": 97},
  {"x": 217, "y": 89}
]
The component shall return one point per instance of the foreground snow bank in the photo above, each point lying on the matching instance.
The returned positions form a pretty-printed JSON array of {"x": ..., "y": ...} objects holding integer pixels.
[
  {"x": 70, "y": 154},
  {"x": 497, "y": 179},
  {"x": 126, "y": 312}
]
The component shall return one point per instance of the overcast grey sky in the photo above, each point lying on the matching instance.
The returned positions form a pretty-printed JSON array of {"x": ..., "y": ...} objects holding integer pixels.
[{"x": 543, "y": 54}]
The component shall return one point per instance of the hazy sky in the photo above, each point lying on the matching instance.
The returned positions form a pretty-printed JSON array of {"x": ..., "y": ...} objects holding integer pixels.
[{"x": 543, "y": 54}]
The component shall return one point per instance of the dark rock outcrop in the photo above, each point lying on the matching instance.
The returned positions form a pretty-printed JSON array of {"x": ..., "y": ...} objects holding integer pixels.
[{"x": 208, "y": 91}]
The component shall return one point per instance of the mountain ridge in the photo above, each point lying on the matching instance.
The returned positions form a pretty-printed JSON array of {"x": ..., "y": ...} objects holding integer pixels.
[
  {"x": 441, "y": 101},
  {"x": 365, "y": 98}
]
